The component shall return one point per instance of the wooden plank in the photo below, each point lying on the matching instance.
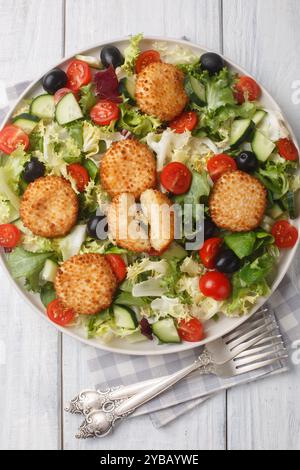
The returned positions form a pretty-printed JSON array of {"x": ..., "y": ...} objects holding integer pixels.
[
  {"x": 263, "y": 36},
  {"x": 86, "y": 23},
  {"x": 31, "y": 35}
]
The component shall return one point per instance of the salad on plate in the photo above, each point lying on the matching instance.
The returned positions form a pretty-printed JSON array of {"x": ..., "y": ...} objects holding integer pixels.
[{"x": 146, "y": 192}]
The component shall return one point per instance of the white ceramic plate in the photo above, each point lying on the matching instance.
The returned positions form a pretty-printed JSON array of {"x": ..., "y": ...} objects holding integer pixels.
[{"x": 214, "y": 330}]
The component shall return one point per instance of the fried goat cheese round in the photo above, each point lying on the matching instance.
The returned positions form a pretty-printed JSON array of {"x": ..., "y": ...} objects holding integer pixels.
[
  {"x": 238, "y": 202},
  {"x": 128, "y": 166},
  {"x": 160, "y": 91},
  {"x": 86, "y": 283},
  {"x": 49, "y": 207}
]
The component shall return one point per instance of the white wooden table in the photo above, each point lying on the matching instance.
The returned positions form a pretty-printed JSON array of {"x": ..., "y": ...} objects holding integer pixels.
[{"x": 43, "y": 368}]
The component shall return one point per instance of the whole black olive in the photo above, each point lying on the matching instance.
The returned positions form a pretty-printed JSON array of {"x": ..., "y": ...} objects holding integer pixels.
[
  {"x": 110, "y": 55},
  {"x": 212, "y": 62},
  {"x": 227, "y": 262},
  {"x": 247, "y": 161},
  {"x": 97, "y": 227},
  {"x": 54, "y": 80},
  {"x": 33, "y": 169}
]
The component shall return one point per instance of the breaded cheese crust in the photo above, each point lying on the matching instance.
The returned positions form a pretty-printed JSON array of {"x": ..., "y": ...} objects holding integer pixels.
[
  {"x": 49, "y": 207},
  {"x": 128, "y": 166},
  {"x": 160, "y": 91},
  {"x": 157, "y": 209},
  {"x": 238, "y": 202},
  {"x": 86, "y": 283},
  {"x": 124, "y": 226}
]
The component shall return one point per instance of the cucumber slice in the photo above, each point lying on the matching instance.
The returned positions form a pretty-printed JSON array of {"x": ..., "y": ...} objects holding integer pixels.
[
  {"x": 49, "y": 270},
  {"x": 267, "y": 224},
  {"x": 43, "y": 106},
  {"x": 68, "y": 110},
  {"x": 26, "y": 122},
  {"x": 91, "y": 168},
  {"x": 195, "y": 90},
  {"x": 127, "y": 88},
  {"x": 241, "y": 131},
  {"x": 259, "y": 116},
  {"x": 90, "y": 60},
  {"x": 165, "y": 330},
  {"x": 125, "y": 317},
  {"x": 262, "y": 147},
  {"x": 291, "y": 204},
  {"x": 275, "y": 212}
]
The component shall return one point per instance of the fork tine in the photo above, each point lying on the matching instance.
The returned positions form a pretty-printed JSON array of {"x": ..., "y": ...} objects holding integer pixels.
[
  {"x": 239, "y": 362},
  {"x": 244, "y": 329},
  {"x": 258, "y": 348},
  {"x": 260, "y": 365},
  {"x": 246, "y": 345},
  {"x": 249, "y": 335}
]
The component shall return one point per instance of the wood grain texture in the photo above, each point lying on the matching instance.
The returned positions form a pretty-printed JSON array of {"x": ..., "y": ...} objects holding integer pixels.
[
  {"x": 263, "y": 36},
  {"x": 29, "y": 372},
  {"x": 87, "y": 23},
  {"x": 92, "y": 21}
]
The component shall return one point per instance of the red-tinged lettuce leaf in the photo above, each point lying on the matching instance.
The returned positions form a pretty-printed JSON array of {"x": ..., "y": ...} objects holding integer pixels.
[
  {"x": 146, "y": 329},
  {"x": 107, "y": 85}
]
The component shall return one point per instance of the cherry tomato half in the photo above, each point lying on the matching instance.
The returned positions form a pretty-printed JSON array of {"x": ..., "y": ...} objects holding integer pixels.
[
  {"x": 80, "y": 175},
  {"x": 61, "y": 93},
  {"x": 187, "y": 121},
  {"x": 9, "y": 235},
  {"x": 285, "y": 234},
  {"x": 117, "y": 265},
  {"x": 79, "y": 74},
  {"x": 145, "y": 58},
  {"x": 215, "y": 285},
  {"x": 247, "y": 89},
  {"x": 288, "y": 150},
  {"x": 176, "y": 178},
  {"x": 11, "y": 137},
  {"x": 104, "y": 112},
  {"x": 220, "y": 164},
  {"x": 59, "y": 314},
  {"x": 191, "y": 330},
  {"x": 209, "y": 252}
]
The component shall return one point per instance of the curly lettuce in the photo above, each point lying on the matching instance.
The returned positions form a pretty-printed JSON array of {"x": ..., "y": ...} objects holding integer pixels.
[
  {"x": 131, "y": 53},
  {"x": 137, "y": 123}
]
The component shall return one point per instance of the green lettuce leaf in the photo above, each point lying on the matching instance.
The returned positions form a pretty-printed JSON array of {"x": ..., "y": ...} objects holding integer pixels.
[
  {"x": 47, "y": 293},
  {"x": 87, "y": 98},
  {"x": 276, "y": 178},
  {"x": 23, "y": 263},
  {"x": 135, "y": 122},
  {"x": 131, "y": 53}
]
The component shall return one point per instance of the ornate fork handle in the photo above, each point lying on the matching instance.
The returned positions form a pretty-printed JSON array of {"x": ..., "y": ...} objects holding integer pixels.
[
  {"x": 99, "y": 423},
  {"x": 91, "y": 399}
]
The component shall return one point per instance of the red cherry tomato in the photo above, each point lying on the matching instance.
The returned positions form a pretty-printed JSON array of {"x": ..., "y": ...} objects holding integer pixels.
[
  {"x": 247, "y": 88},
  {"x": 209, "y": 252},
  {"x": 220, "y": 164},
  {"x": 146, "y": 58},
  {"x": 216, "y": 285},
  {"x": 176, "y": 178},
  {"x": 79, "y": 74},
  {"x": 61, "y": 93},
  {"x": 118, "y": 266},
  {"x": 285, "y": 234},
  {"x": 104, "y": 112},
  {"x": 9, "y": 235},
  {"x": 191, "y": 330},
  {"x": 80, "y": 175},
  {"x": 187, "y": 121},
  {"x": 59, "y": 314},
  {"x": 287, "y": 149},
  {"x": 11, "y": 137}
]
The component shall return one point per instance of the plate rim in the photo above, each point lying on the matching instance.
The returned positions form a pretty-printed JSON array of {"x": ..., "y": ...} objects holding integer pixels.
[{"x": 172, "y": 348}]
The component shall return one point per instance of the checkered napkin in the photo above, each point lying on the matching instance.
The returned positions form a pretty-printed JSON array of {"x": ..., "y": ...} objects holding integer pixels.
[{"x": 115, "y": 369}]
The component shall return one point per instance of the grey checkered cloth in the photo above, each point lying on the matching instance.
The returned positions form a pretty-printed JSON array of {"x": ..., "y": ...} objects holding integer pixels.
[{"x": 115, "y": 369}]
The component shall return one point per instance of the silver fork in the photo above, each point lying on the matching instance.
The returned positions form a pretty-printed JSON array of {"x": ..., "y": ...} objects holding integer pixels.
[
  {"x": 220, "y": 351},
  {"x": 99, "y": 423}
]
